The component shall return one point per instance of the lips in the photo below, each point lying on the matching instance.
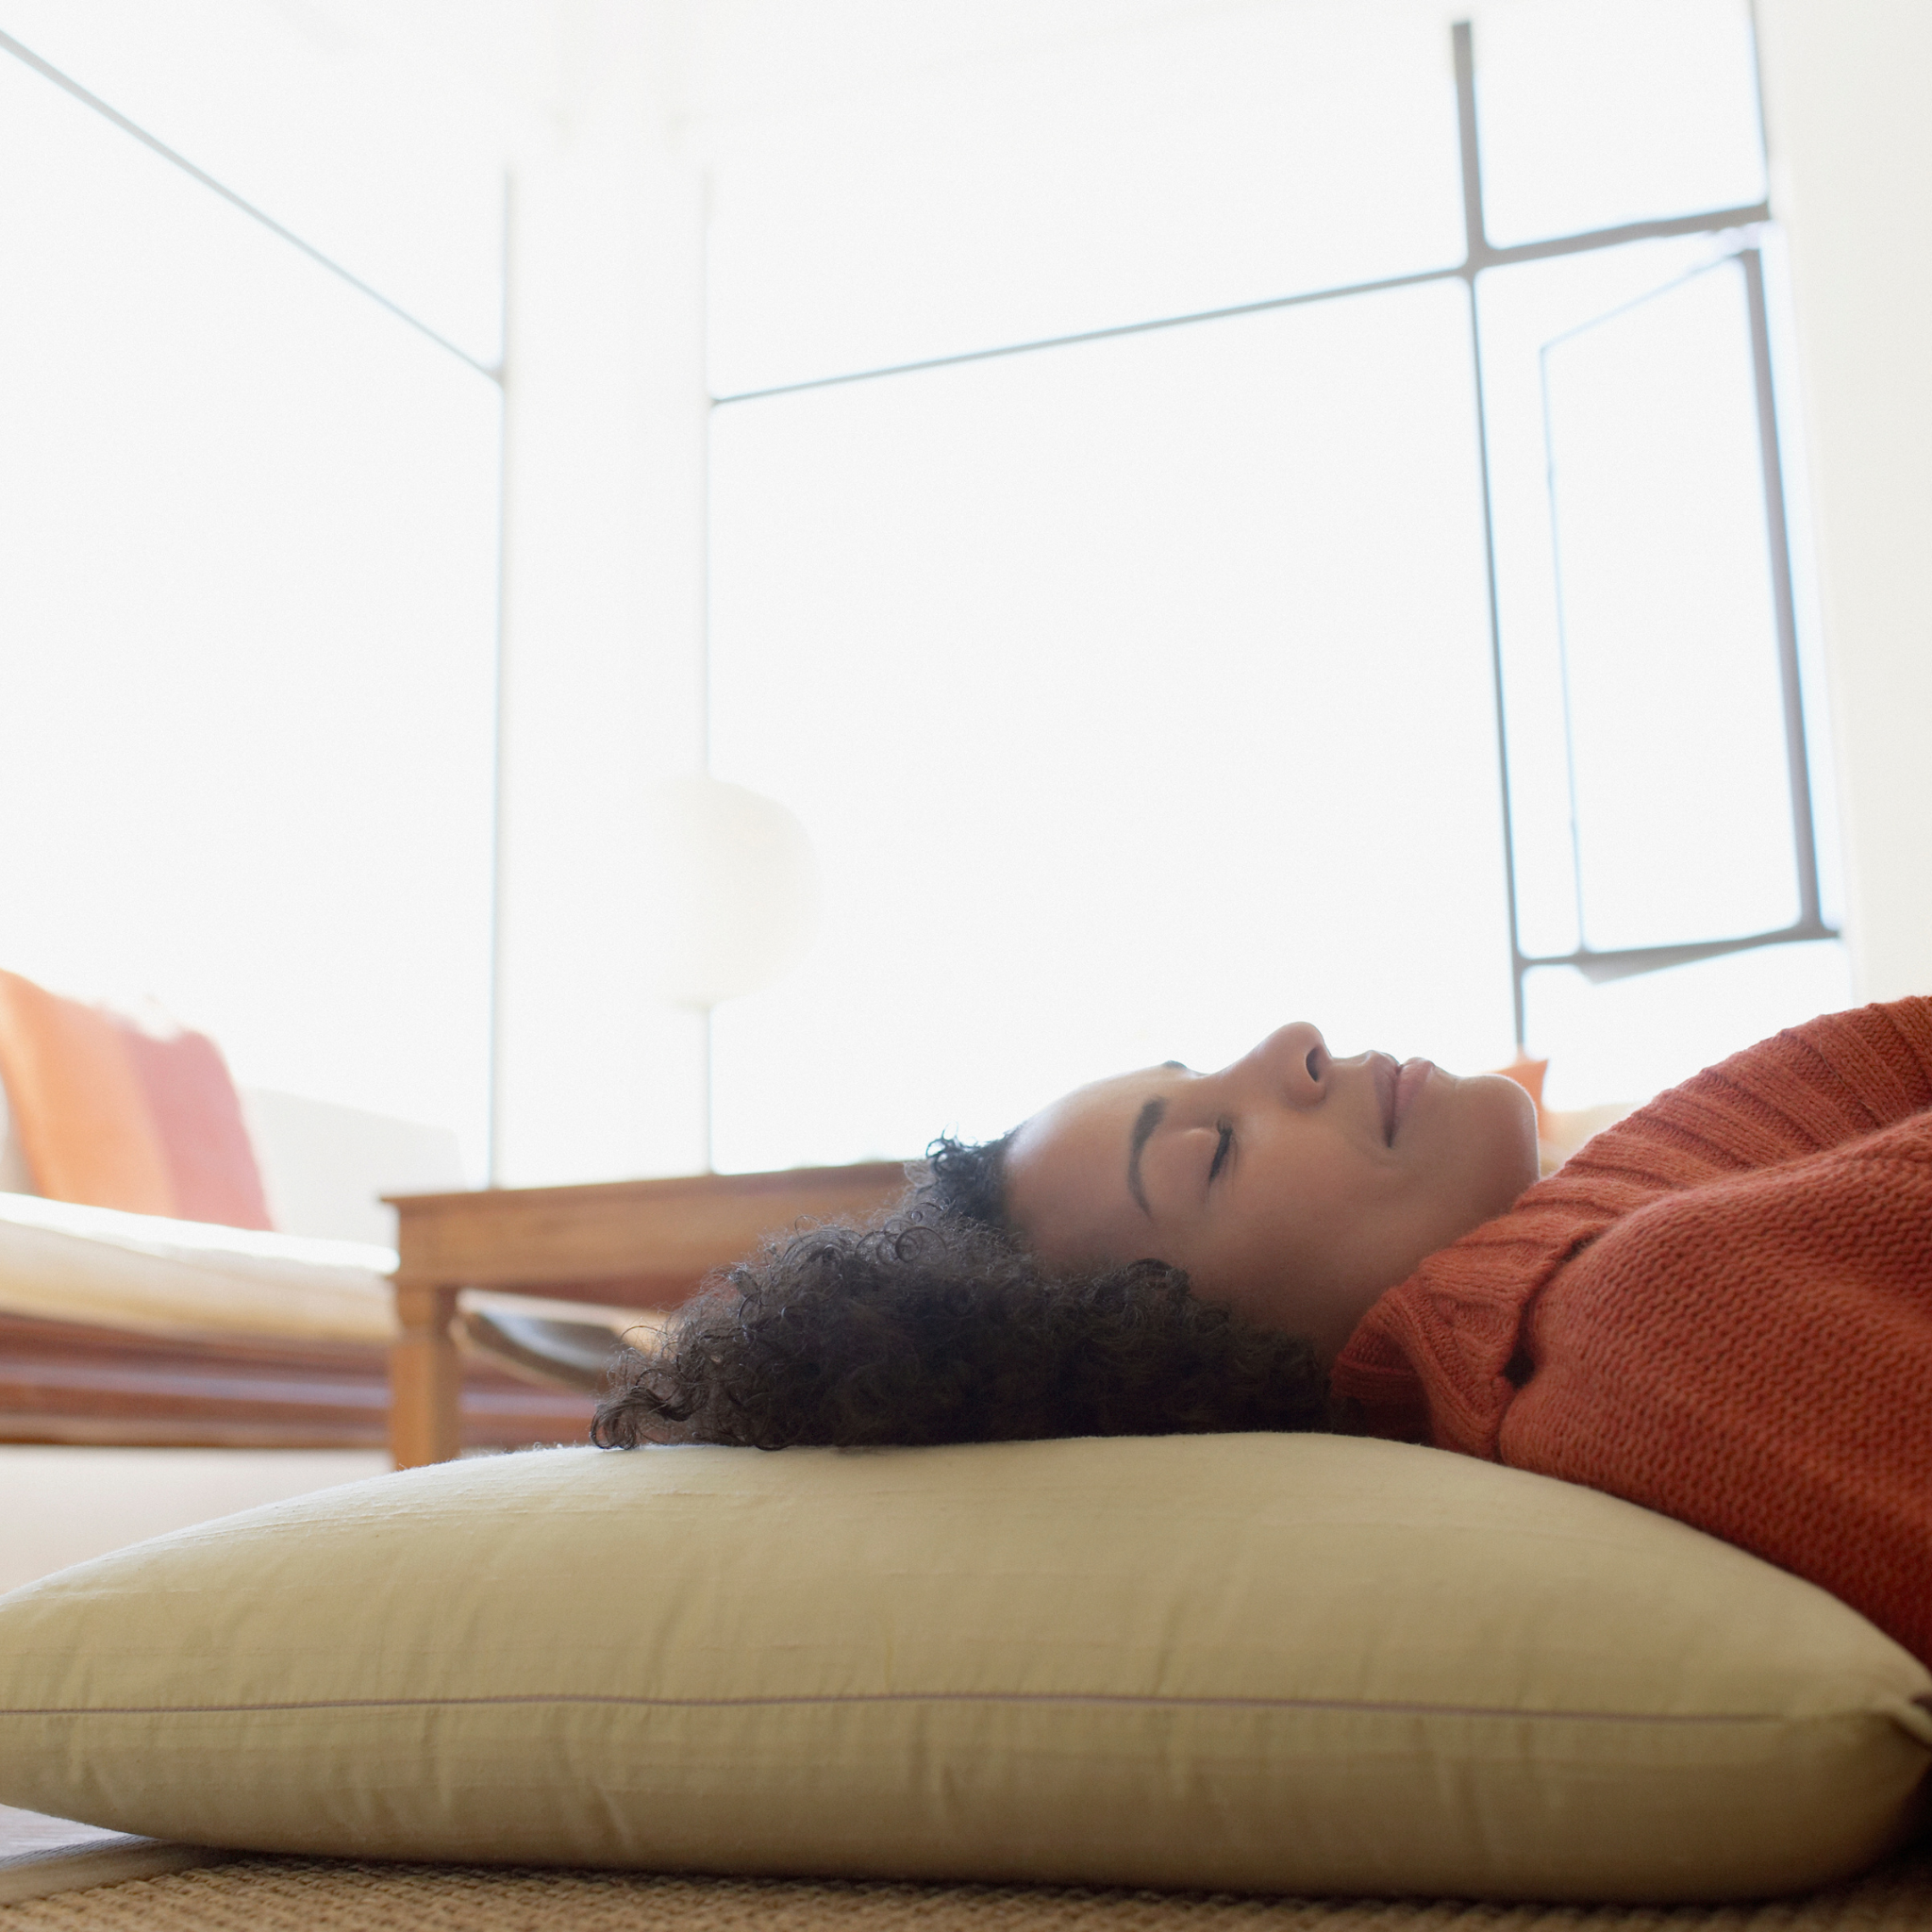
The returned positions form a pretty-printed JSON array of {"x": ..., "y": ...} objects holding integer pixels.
[
  {"x": 1387, "y": 1078},
  {"x": 1412, "y": 1078}
]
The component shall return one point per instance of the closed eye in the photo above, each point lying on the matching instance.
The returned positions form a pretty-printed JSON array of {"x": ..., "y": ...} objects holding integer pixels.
[{"x": 1221, "y": 1152}]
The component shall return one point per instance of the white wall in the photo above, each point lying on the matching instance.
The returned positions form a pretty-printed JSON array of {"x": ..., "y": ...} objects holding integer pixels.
[
  {"x": 1847, "y": 84},
  {"x": 65, "y": 1504}
]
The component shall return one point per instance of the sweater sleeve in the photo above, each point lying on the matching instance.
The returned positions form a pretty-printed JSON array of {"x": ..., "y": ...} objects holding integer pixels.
[
  {"x": 1831, "y": 1080},
  {"x": 1437, "y": 1358},
  {"x": 1755, "y": 1357}
]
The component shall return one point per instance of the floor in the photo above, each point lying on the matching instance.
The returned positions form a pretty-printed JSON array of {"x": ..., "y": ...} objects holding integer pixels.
[
  {"x": 34, "y": 1831},
  {"x": 61, "y": 1506}
]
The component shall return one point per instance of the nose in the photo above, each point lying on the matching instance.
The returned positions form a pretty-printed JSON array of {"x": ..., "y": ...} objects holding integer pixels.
[{"x": 1291, "y": 1064}]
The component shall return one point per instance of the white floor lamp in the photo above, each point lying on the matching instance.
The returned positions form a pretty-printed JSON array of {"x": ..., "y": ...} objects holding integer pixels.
[{"x": 733, "y": 888}]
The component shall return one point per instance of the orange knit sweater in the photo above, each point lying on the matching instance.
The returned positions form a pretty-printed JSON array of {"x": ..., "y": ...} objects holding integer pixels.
[{"x": 1721, "y": 1309}]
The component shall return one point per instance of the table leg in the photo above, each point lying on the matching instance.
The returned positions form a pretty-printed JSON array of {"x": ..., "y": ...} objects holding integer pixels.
[{"x": 425, "y": 1378}]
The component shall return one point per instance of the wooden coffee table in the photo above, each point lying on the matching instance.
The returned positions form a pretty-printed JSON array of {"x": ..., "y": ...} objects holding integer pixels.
[{"x": 632, "y": 1244}]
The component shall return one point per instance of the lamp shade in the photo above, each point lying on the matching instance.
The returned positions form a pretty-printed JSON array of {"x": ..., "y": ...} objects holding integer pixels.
[{"x": 732, "y": 886}]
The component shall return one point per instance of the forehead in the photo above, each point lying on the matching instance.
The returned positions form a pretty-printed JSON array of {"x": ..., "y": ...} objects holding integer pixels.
[
  {"x": 1092, "y": 1110},
  {"x": 1066, "y": 1167}
]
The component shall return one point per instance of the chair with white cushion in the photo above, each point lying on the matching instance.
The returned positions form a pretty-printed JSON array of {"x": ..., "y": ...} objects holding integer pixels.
[{"x": 121, "y": 1323}]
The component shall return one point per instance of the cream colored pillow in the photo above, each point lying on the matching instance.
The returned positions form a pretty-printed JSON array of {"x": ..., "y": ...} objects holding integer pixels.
[{"x": 1242, "y": 1663}]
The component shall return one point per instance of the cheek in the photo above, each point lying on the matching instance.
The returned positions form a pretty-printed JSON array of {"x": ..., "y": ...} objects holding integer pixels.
[
  {"x": 1292, "y": 1227},
  {"x": 1237, "y": 1254},
  {"x": 1266, "y": 1297}
]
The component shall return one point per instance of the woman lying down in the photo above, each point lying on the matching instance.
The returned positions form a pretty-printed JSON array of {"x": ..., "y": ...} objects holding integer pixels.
[{"x": 1721, "y": 1309}]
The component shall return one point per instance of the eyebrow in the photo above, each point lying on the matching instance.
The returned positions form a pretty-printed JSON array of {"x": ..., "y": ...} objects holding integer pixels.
[{"x": 1144, "y": 1124}]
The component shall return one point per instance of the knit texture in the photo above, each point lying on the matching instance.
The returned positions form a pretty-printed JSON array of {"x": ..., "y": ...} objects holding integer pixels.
[{"x": 1721, "y": 1309}]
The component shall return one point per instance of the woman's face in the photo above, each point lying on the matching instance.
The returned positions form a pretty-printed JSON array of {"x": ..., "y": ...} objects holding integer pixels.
[{"x": 1293, "y": 1188}]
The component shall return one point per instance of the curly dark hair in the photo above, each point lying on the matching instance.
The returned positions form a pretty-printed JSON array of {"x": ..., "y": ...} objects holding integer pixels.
[{"x": 933, "y": 1325}]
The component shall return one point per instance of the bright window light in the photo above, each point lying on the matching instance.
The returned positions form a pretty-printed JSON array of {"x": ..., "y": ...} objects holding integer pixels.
[
  {"x": 1140, "y": 694},
  {"x": 1627, "y": 1039},
  {"x": 386, "y": 170},
  {"x": 247, "y": 535},
  {"x": 1136, "y": 696},
  {"x": 1218, "y": 156},
  {"x": 1670, "y": 639},
  {"x": 1521, "y": 309},
  {"x": 1599, "y": 112}
]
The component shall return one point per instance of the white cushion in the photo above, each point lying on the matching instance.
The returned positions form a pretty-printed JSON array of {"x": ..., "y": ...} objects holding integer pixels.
[
  {"x": 16, "y": 1177},
  {"x": 1242, "y": 1663},
  {"x": 61, "y": 1261},
  {"x": 64, "y": 1263}
]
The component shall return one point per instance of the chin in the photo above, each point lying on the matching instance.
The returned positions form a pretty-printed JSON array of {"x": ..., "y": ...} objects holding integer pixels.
[{"x": 1500, "y": 1121}]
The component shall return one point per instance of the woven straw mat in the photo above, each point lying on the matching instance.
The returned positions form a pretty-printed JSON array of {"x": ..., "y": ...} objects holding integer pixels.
[{"x": 305, "y": 1895}]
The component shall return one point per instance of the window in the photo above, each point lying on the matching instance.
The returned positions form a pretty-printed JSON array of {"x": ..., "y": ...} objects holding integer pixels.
[
  {"x": 1260, "y": 514},
  {"x": 248, "y": 523}
]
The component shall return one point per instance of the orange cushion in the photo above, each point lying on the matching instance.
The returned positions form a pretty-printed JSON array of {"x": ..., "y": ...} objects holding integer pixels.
[
  {"x": 80, "y": 1109},
  {"x": 113, "y": 1116}
]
